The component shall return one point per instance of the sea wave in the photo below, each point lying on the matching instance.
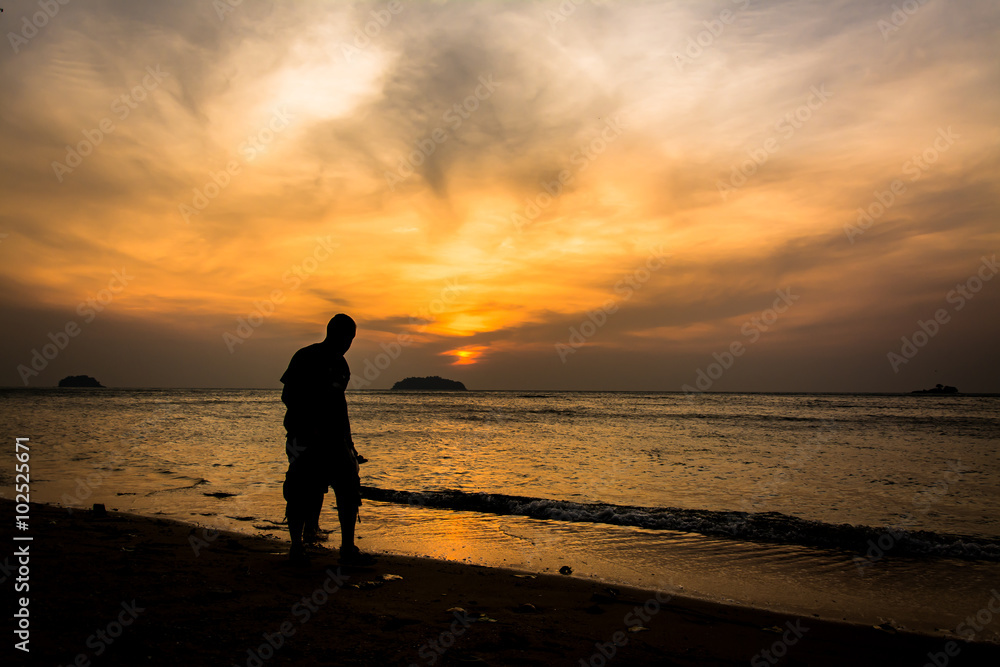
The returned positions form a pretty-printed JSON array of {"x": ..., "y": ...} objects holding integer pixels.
[{"x": 773, "y": 527}]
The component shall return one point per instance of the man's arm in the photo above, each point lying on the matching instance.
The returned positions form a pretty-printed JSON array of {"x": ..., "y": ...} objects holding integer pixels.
[
  {"x": 300, "y": 395},
  {"x": 295, "y": 392},
  {"x": 341, "y": 406}
]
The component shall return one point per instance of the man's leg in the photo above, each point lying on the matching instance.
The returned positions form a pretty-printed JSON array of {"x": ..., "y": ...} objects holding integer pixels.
[
  {"x": 347, "y": 487},
  {"x": 292, "y": 490},
  {"x": 347, "y": 513},
  {"x": 294, "y": 512},
  {"x": 311, "y": 531},
  {"x": 317, "y": 507},
  {"x": 295, "y": 525}
]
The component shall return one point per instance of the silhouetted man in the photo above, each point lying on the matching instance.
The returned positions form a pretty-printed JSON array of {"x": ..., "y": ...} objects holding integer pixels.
[{"x": 319, "y": 446}]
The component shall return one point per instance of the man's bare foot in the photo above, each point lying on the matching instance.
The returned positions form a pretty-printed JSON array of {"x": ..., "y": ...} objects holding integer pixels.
[
  {"x": 297, "y": 555},
  {"x": 352, "y": 556},
  {"x": 315, "y": 536}
]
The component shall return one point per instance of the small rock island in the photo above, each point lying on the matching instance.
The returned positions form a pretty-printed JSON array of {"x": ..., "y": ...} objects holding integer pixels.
[
  {"x": 938, "y": 389},
  {"x": 433, "y": 383},
  {"x": 80, "y": 381}
]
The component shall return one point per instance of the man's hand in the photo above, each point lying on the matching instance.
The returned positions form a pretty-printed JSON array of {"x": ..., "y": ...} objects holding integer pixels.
[{"x": 358, "y": 457}]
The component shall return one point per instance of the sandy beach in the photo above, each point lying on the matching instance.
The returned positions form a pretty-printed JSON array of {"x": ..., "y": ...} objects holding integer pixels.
[{"x": 121, "y": 589}]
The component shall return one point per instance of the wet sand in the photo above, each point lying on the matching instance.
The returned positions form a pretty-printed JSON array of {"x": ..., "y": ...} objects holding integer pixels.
[{"x": 122, "y": 589}]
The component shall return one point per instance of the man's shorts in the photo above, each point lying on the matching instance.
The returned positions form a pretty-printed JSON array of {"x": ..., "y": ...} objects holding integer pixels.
[{"x": 317, "y": 465}]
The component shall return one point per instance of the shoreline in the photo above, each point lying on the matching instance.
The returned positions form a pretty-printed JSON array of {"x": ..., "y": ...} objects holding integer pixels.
[{"x": 172, "y": 590}]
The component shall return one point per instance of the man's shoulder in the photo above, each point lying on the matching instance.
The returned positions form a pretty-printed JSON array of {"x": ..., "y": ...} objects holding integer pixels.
[
  {"x": 304, "y": 360},
  {"x": 309, "y": 352}
]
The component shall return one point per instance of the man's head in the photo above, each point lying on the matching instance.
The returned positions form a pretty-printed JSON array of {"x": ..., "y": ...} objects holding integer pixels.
[{"x": 340, "y": 332}]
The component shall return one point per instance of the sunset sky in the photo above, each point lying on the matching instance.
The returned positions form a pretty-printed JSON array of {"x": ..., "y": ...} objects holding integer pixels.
[{"x": 517, "y": 195}]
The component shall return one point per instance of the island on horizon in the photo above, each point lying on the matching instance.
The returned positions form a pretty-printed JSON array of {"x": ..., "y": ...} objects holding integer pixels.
[
  {"x": 938, "y": 389},
  {"x": 80, "y": 381},
  {"x": 433, "y": 383}
]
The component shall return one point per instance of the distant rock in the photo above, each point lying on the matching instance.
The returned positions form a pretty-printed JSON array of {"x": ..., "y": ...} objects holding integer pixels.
[
  {"x": 80, "y": 381},
  {"x": 938, "y": 389},
  {"x": 433, "y": 383}
]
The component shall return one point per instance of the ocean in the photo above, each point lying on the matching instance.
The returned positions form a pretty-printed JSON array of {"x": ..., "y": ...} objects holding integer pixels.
[{"x": 880, "y": 509}]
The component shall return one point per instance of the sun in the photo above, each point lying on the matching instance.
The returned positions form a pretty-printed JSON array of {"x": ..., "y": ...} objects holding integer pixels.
[{"x": 465, "y": 356}]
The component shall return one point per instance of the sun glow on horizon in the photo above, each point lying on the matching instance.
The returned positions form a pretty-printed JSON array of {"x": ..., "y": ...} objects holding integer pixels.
[{"x": 466, "y": 356}]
